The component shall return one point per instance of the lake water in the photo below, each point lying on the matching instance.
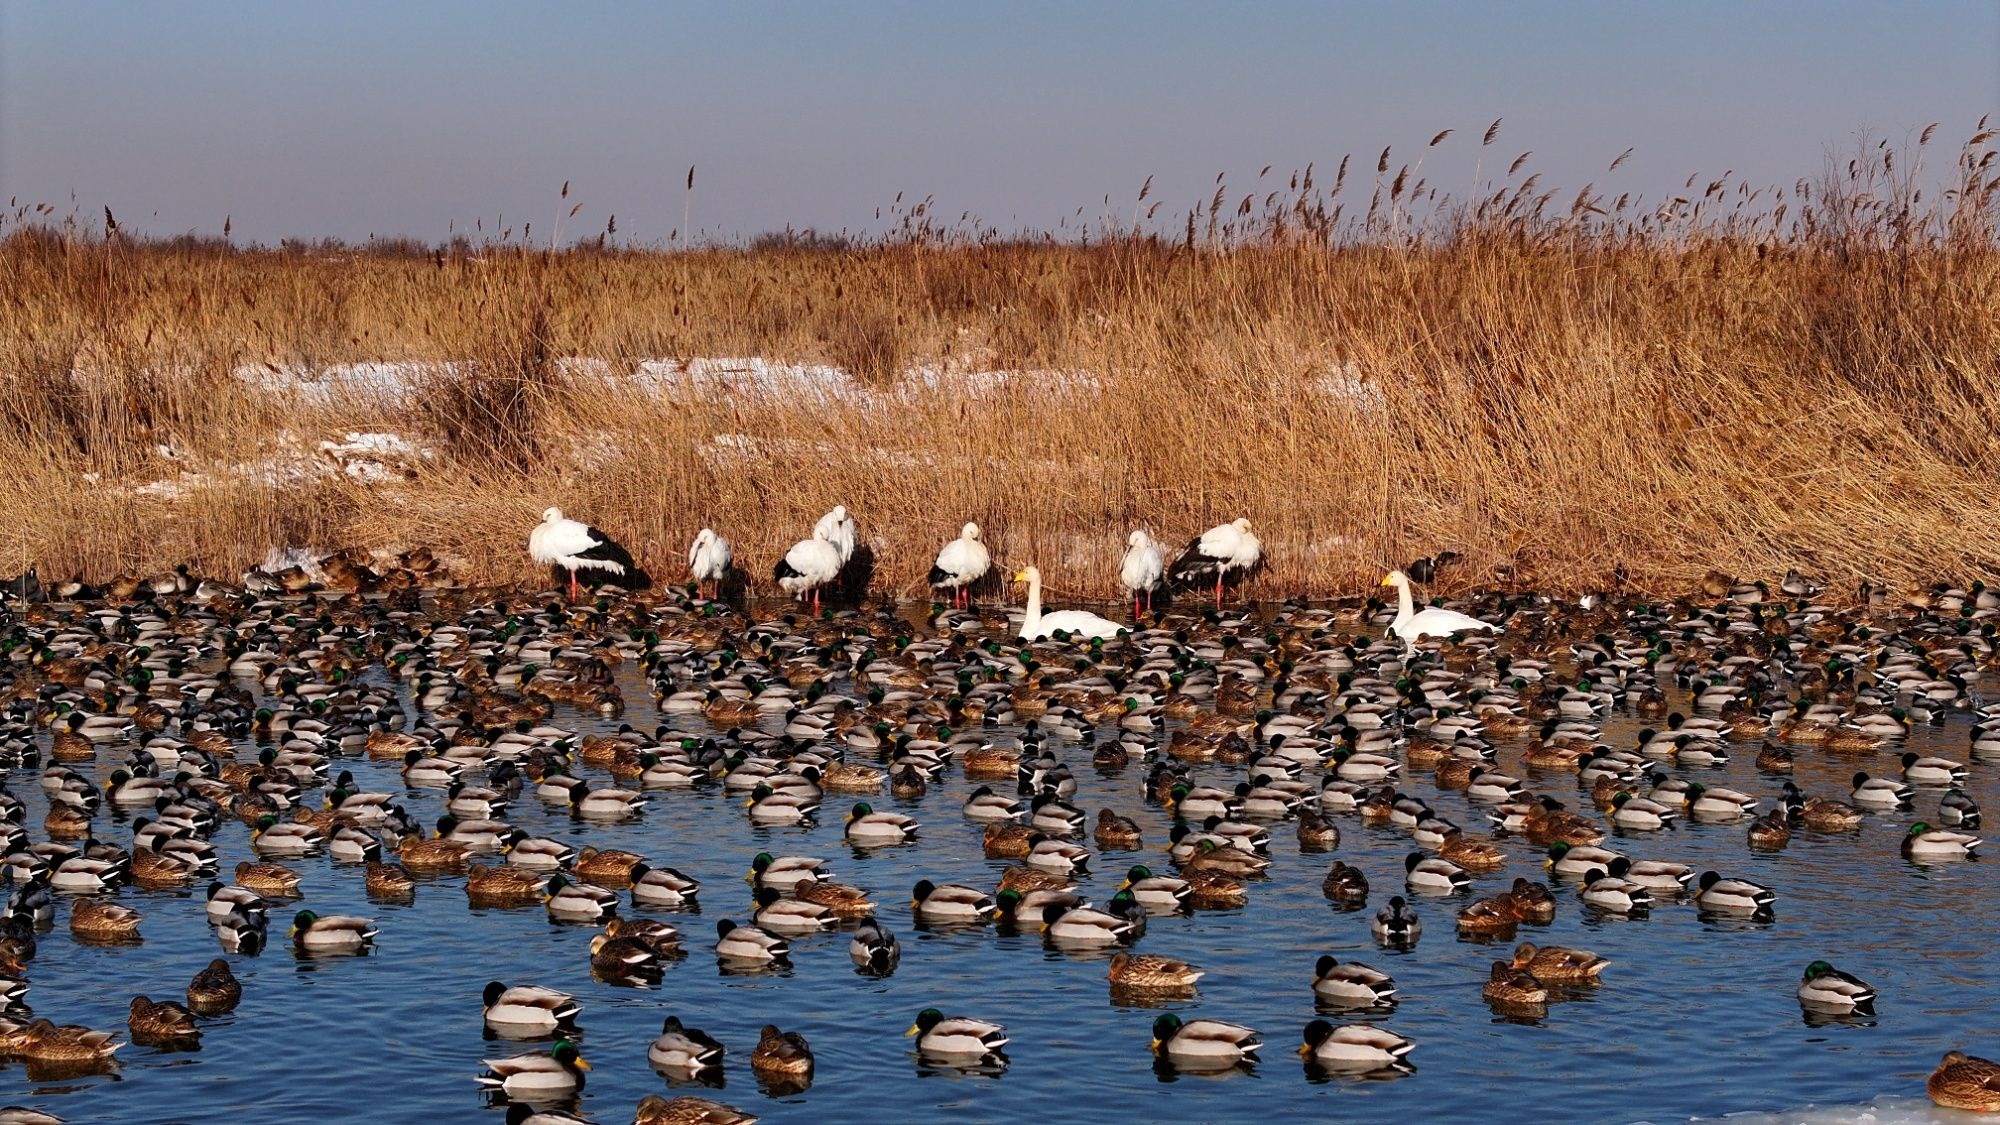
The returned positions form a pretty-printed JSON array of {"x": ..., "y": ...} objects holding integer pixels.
[{"x": 1695, "y": 1018}]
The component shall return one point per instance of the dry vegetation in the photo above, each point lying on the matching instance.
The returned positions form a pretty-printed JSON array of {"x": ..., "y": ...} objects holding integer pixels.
[{"x": 1555, "y": 386}]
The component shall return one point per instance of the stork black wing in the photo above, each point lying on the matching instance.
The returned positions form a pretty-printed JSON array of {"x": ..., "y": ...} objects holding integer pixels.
[
  {"x": 1192, "y": 563},
  {"x": 615, "y": 562}
]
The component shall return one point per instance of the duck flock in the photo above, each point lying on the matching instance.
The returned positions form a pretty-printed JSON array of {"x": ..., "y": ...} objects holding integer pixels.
[{"x": 375, "y": 722}]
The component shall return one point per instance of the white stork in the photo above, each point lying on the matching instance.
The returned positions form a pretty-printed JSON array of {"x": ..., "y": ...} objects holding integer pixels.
[
  {"x": 574, "y": 546},
  {"x": 1219, "y": 550},
  {"x": 962, "y": 562},
  {"x": 708, "y": 560}
]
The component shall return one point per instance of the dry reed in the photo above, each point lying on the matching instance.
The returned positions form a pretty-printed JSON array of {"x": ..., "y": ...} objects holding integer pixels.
[{"x": 1553, "y": 386}]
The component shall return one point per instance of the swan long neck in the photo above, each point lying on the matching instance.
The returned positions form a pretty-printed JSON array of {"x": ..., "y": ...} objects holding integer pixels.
[
  {"x": 1034, "y": 616},
  {"x": 1405, "y": 608}
]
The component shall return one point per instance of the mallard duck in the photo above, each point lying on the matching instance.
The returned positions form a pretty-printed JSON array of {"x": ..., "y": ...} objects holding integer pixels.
[
  {"x": 783, "y": 872},
  {"x": 1956, "y": 810},
  {"x": 1557, "y": 965},
  {"x": 1531, "y": 902},
  {"x": 781, "y": 1054},
  {"x": 838, "y": 899},
  {"x": 1396, "y": 924},
  {"x": 568, "y": 901},
  {"x": 1612, "y": 894},
  {"x": 46, "y": 1042},
  {"x": 1507, "y": 984},
  {"x": 873, "y": 948},
  {"x": 1160, "y": 893},
  {"x": 1924, "y": 842},
  {"x": 683, "y": 1052},
  {"x": 158, "y": 1022},
  {"x": 606, "y": 868},
  {"x": 1007, "y": 840},
  {"x": 541, "y": 1076},
  {"x": 433, "y": 856},
  {"x": 528, "y": 1008},
  {"x": 388, "y": 880},
  {"x": 1879, "y": 792},
  {"x": 1114, "y": 831},
  {"x": 1771, "y": 831},
  {"x": 1431, "y": 875},
  {"x": 749, "y": 944},
  {"x": 791, "y": 916},
  {"x": 687, "y": 1110},
  {"x": 94, "y": 921},
  {"x": 331, "y": 933},
  {"x": 285, "y": 839},
  {"x": 868, "y": 828},
  {"x": 268, "y": 878},
  {"x": 1317, "y": 834},
  {"x": 1739, "y": 897},
  {"x": 662, "y": 887},
  {"x": 1203, "y": 1044},
  {"x": 955, "y": 1036},
  {"x": 1355, "y": 1047},
  {"x": 624, "y": 959},
  {"x": 1352, "y": 985},
  {"x": 1579, "y": 859},
  {"x": 503, "y": 884},
  {"x": 1150, "y": 972},
  {"x": 1085, "y": 927},
  {"x": 1963, "y": 1081},
  {"x": 238, "y": 934},
  {"x": 1824, "y": 988},
  {"x": 950, "y": 902},
  {"x": 214, "y": 990},
  {"x": 1345, "y": 884},
  {"x": 656, "y": 935},
  {"x": 1488, "y": 916}
]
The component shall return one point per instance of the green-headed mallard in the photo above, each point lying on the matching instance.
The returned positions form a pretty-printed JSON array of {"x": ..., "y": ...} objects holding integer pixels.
[
  {"x": 783, "y": 871},
  {"x": 950, "y": 902},
  {"x": 1203, "y": 1044},
  {"x": 541, "y": 1076},
  {"x": 662, "y": 887},
  {"x": 791, "y": 916},
  {"x": 1740, "y": 897},
  {"x": 749, "y": 943},
  {"x": 945, "y": 1036},
  {"x": 1824, "y": 988},
  {"x": 528, "y": 1009},
  {"x": 569, "y": 901},
  {"x": 683, "y": 1052},
  {"x": 1922, "y": 842},
  {"x": 867, "y": 828},
  {"x": 1354, "y": 1047},
  {"x": 1397, "y": 924},
  {"x": 332, "y": 933},
  {"x": 1162, "y": 894},
  {"x": 1352, "y": 985}
]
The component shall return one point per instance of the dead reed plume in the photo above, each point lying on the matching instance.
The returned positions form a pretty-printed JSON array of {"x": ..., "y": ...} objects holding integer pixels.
[{"x": 1741, "y": 378}]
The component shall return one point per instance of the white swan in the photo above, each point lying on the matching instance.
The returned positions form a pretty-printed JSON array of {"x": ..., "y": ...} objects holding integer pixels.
[
  {"x": 809, "y": 565},
  {"x": 1075, "y": 622},
  {"x": 708, "y": 559},
  {"x": 573, "y": 545},
  {"x": 1433, "y": 621},
  {"x": 962, "y": 562},
  {"x": 1144, "y": 567},
  {"x": 1219, "y": 550}
]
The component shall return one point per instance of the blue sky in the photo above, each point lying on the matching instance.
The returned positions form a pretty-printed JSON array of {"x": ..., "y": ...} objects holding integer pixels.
[{"x": 392, "y": 118}]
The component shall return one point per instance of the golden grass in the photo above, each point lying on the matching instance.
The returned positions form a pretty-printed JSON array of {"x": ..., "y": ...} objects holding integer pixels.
[{"x": 1748, "y": 381}]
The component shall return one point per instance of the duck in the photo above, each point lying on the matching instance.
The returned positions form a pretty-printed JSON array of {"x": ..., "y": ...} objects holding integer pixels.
[
  {"x": 529, "y": 1008},
  {"x": 1507, "y": 984},
  {"x": 688, "y": 1110},
  {"x": 388, "y": 880},
  {"x": 45, "y": 1042},
  {"x": 682, "y": 1051},
  {"x": 750, "y": 944},
  {"x": 1344, "y": 884},
  {"x": 504, "y": 884},
  {"x": 159, "y": 1022},
  {"x": 1924, "y": 842},
  {"x": 1963, "y": 1081},
  {"x": 1612, "y": 894},
  {"x": 950, "y": 902},
  {"x": 1397, "y": 924},
  {"x": 624, "y": 959},
  {"x": 1203, "y": 1043},
  {"x": 331, "y": 933},
  {"x": 868, "y": 828},
  {"x": 1116, "y": 832},
  {"x": 781, "y": 1054},
  {"x": 1074, "y": 623},
  {"x": 955, "y": 1036},
  {"x": 1739, "y": 897},
  {"x": 783, "y": 872},
  {"x": 214, "y": 990},
  {"x": 1351, "y": 985},
  {"x": 552, "y": 1075},
  {"x": 101, "y": 922},
  {"x": 1556, "y": 964},
  {"x": 1355, "y": 1047},
  {"x": 873, "y": 948},
  {"x": 1824, "y": 988},
  {"x": 1151, "y": 972}
]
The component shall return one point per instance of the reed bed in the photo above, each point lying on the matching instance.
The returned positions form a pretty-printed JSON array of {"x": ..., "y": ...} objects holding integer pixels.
[{"x": 1561, "y": 388}]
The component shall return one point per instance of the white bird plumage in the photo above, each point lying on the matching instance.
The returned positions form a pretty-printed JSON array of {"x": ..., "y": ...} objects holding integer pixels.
[
  {"x": 708, "y": 559},
  {"x": 574, "y": 546},
  {"x": 1412, "y": 625},
  {"x": 1219, "y": 550},
  {"x": 838, "y": 528},
  {"x": 1077, "y": 622},
  {"x": 809, "y": 565},
  {"x": 961, "y": 563},
  {"x": 1143, "y": 568}
]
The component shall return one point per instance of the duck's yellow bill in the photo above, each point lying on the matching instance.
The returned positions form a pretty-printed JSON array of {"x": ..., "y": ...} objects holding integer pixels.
[
  {"x": 582, "y": 1065},
  {"x": 913, "y": 1030},
  {"x": 1305, "y": 1049}
]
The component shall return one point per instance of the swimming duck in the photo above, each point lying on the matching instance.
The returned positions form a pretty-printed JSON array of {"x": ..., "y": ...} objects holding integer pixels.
[
  {"x": 1149, "y": 972},
  {"x": 568, "y": 901},
  {"x": 331, "y": 933},
  {"x": 1613, "y": 894},
  {"x": 683, "y": 1052},
  {"x": 1826, "y": 989},
  {"x": 687, "y": 1110},
  {"x": 161, "y": 1022},
  {"x": 1924, "y": 842},
  {"x": 955, "y": 1036},
  {"x": 1352, "y": 985},
  {"x": 1558, "y": 965},
  {"x": 873, "y": 948},
  {"x": 552, "y": 1075},
  {"x": 949, "y": 903},
  {"x": 749, "y": 944},
  {"x": 1740, "y": 897},
  {"x": 100, "y": 922},
  {"x": 782, "y": 1054},
  {"x": 214, "y": 990},
  {"x": 1509, "y": 985},
  {"x": 46, "y": 1042},
  {"x": 1353, "y": 1048},
  {"x": 1345, "y": 884},
  {"x": 1396, "y": 924},
  {"x": 528, "y": 1008}
]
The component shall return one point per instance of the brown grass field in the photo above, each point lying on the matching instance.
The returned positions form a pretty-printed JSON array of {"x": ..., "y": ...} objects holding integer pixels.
[{"x": 1554, "y": 385}]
